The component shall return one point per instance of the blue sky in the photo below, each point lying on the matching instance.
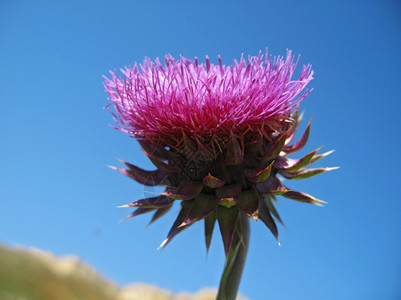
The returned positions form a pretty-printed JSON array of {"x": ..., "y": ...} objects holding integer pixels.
[{"x": 57, "y": 193}]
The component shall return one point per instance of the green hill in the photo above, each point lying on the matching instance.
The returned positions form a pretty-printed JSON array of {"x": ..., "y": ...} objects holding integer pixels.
[{"x": 33, "y": 274}]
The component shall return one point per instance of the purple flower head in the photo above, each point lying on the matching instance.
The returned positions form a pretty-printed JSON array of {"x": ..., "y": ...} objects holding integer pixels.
[
  {"x": 219, "y": 137},
  {"x": 184, "y": 98}
]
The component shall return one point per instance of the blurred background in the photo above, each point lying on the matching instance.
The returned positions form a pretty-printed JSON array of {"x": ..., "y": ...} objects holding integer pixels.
[{"x": 57, "y": 194}]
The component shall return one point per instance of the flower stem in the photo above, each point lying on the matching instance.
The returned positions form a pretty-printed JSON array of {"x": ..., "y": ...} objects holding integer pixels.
[{"x": 235, "y": 261}]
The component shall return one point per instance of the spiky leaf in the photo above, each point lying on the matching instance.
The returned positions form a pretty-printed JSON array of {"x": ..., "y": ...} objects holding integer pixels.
[
  {"x": 303, "y": 197},
  {"x": 301, "y": 142},
  {"x": 273, "y": 149},
  {"x": 176, "y": 228},
  {"x": 137, "y": 212},
  {"x": 210, "y": 221},
  {"x": 234, "y": 154},
  {"x": 305, "y": 173},
  {"x": 271, "y": 186},
  {"x": 203, "y": 206},
  {"x": 213, "y": 182},
  {"x": 320, "y": 156},
  {"x": 186, "y": 190},
  {"x": 162, "y": 166},
  {"x": 159, "y": 213},
  {"x": 293, "y": 165},
  {"x": 227, "y": 218},
  {"x": 249, "y": 203},
  {"x": 153, "y": 202},
  {"x": 258, "y": 176},
  {"x": 268, "y": 201},
  {"x": 149, "y": 178},
  {"x": 228, "y": 195},
  {"x": 265, "y": 216},
  {"x": 294, "y": 128},
  {"x": 155, "y": 150}
]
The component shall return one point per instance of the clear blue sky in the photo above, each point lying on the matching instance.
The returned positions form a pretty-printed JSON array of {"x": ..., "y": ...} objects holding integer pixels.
[{"x": 57, "y": 193}]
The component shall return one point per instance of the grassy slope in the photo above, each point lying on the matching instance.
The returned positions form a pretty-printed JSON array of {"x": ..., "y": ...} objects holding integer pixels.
[
  {"x": 32, "y": 274},
  {"x": 36, "y": 275}
]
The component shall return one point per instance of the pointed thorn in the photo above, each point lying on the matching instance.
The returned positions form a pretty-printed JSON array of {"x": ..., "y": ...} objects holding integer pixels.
[
  {"x": 113, "y": 168},
  {"x": 255, "y": 218},
  {"x": 328, "y": 152},
  {"x": 182, "y": 224},
  {"x": 301, "y": 116},
  {"x": 319, "y": 201},
  {"x": 332, "y": 168},
  {"x": 123, "y": 206},
  {"x": 162, "y": 244}
]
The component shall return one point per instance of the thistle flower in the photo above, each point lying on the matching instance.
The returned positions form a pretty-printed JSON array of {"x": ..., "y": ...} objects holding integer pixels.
[{"x": 219, "y": 137}]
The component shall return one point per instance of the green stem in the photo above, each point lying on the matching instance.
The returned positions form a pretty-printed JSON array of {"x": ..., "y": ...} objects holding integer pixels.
[{"x": 235, "y": 261}]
